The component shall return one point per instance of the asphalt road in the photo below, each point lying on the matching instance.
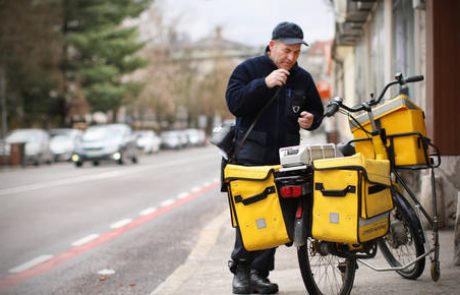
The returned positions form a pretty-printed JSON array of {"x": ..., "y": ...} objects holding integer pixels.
[{"x": 104, "y": 230}]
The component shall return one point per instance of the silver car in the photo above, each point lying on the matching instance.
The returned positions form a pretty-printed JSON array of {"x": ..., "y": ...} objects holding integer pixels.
[{"x": 112, "y": 142}]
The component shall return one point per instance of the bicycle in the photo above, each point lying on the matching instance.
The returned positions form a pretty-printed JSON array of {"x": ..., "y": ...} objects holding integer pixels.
[
  {"x": 329, "y": 267},
  {"x": 327, "y": 262}
]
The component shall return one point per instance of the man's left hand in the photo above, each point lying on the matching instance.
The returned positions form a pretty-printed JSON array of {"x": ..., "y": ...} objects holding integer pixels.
[{"x": 305, "y": 120}]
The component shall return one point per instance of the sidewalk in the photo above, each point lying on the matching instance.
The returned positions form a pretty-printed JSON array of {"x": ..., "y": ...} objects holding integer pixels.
[{"x": 206, "y": 272}]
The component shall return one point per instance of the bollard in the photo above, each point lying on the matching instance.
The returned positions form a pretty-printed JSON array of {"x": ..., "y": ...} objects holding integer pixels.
[{"x": 17, "y": 154}]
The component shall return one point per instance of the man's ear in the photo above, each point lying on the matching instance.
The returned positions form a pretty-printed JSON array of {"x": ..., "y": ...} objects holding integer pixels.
[{"x": 271, "y": 44}]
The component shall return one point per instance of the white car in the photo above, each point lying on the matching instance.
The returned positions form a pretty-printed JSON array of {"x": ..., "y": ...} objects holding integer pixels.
[
  {"x": 64, "y": 141},
  {"x": 173, "y": 139},
  {"x": 196, "y": 137},
  {"x": 148, "y": 141},
  {"x": 36, "y": 145}
]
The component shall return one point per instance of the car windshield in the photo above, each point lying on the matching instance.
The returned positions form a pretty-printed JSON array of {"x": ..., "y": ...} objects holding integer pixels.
[
  {"x": 103, "y": 133},
  {"x": 61, "y": 138},
  {"x": 144, "y": 134},
  {"x": 23, "y": 136},
  {"x": 60, "y": 132},
  {"x": 170, "y": 134}
]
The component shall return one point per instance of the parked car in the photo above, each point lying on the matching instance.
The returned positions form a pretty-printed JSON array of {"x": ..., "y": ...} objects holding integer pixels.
[
  {"x": 36, "y": 145},
  {"x": 173, "y": 139},
  {"x": 64, "y": 142},
  {"x": 112, "y": 142},
  {"x": 183, "y": 138},
  {"x": 196, "y": 137},
  {"x": 148, "y": 141}
]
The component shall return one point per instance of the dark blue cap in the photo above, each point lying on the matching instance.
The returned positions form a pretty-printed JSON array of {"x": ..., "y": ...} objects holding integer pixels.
[{"x": 288, "y": 33}]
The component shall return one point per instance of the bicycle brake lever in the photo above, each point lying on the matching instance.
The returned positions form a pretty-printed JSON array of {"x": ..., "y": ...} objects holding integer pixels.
[{"x": 400, "y": 78}]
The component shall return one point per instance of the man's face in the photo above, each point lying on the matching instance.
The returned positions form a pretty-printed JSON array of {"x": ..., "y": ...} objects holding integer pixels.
[{"x": 283, "y": 56}]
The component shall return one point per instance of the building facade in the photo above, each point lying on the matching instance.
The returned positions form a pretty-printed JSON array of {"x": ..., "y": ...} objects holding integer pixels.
[{"x": 376, "y": 39}]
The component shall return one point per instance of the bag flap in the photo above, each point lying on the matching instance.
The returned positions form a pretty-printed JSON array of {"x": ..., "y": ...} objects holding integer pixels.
[
  {"x": 377, "y": 171},
  {"x": 233, "y": 172},
  {"x": 356, "y": 160},
  {"x": 400, "y": 102}
]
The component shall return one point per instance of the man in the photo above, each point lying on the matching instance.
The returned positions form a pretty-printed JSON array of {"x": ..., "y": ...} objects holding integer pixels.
[{"x": 297, "y": 105}]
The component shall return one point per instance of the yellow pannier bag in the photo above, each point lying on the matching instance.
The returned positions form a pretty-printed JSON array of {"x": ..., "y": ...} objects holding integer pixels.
[
  {"x": 351, "y": 199},
  {"x": 255, "y": 206},
  {"x": 404, "y": 125}
]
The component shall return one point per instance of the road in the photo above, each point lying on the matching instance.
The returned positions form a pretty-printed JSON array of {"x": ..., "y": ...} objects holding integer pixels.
[{"x": 104, "y": 230}]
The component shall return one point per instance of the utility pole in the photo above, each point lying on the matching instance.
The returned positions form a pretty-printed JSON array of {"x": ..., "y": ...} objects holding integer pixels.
[{"x": 3, "y": 102}]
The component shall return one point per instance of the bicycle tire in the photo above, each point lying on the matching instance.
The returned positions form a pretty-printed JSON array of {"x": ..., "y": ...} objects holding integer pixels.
[
  {"x": 403, "y": 244},
  {"x": 324, "y": 273}
]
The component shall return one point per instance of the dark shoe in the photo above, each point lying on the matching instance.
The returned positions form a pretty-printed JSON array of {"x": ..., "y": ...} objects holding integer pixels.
[
  {"x": 261, "y": 284},
  {"x": 241, "y": 283}
]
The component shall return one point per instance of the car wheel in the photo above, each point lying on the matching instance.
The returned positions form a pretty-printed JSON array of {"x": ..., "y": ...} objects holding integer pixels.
[
  {"x": 95, "y": 163},
  {"x": 78, "y": 164}
]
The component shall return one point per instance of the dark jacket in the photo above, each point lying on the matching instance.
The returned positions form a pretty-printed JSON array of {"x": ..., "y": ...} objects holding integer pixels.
[{"x": 277, "y": 127}]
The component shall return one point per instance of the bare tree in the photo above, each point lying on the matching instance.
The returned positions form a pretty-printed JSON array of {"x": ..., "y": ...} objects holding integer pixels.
[{"x": 184, "y": 81}]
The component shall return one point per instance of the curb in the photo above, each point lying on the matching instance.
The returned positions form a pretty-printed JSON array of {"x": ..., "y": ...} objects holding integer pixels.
[{"x": 206, "y": 241}]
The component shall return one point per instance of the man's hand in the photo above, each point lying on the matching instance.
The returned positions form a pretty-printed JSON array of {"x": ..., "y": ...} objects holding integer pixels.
[
  {"x": 277, "y": 78},
  {"x": 305, "y": 120}
]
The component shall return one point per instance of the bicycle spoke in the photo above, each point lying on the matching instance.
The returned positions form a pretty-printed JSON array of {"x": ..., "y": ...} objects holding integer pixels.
[
  {"x": 403, "y": 245},
  {"x": 327, "y": 273}
]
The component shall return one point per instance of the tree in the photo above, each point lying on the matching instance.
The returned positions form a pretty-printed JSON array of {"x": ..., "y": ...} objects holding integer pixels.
[
  {"x": 163, "y": 96},
  {"x": 56, "y": 53},
  {"x": 186, "y": 81},
  {"x": 30, "y": 56},
  {"x": 99, "y": 51}
]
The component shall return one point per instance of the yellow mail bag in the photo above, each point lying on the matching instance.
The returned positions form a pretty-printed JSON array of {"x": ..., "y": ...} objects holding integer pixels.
[
  {"x": 351, "y": 199},
  {"x": 255, "y": 206},
  {"x": 405, "y": 127}
]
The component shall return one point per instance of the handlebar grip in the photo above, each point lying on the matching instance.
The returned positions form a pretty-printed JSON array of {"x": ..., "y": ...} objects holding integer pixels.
[
  {"x": 331, "y": 109},
  {"x": 414, "y": 79}
]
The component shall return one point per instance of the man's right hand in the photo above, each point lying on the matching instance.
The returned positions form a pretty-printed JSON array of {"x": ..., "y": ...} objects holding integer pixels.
[{"x": 277, "y": 78}]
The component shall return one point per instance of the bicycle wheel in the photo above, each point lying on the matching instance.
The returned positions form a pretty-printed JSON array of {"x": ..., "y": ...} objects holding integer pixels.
[
  {"x": 323, "y": 272},
  {"x": 402, "y": 244}
]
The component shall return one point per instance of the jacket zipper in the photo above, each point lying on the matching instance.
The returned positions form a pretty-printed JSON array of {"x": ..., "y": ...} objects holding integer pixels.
[{"x": 278, "y": 102}]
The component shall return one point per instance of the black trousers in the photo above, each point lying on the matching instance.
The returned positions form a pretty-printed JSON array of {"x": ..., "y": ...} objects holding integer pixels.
[{"x": 263, "y": 260}]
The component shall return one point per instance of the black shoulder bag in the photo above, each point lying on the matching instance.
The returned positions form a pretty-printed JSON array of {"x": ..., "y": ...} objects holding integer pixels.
[{"x": 228, "y": 141}]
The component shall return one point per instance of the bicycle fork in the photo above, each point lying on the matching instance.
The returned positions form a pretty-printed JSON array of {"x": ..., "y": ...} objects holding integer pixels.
[{"x": 435, "y": 265}]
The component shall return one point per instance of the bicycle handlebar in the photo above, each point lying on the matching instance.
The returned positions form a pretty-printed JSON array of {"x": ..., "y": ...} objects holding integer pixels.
[
  {"x": 337, "y": 103},
  {"x": 333, "y": 106},
  {"x": 414, "y": 79}
]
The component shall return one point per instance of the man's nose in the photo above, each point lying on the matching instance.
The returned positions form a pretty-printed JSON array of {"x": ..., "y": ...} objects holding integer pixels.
[{"x": 291, "y": 56}]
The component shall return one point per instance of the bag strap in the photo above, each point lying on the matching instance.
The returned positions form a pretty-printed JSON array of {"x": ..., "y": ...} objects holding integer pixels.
[
  {"x": 245, "y": 136},
  {"x": 335, "y": 193},
  {"x": 256, "y": 198}
]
